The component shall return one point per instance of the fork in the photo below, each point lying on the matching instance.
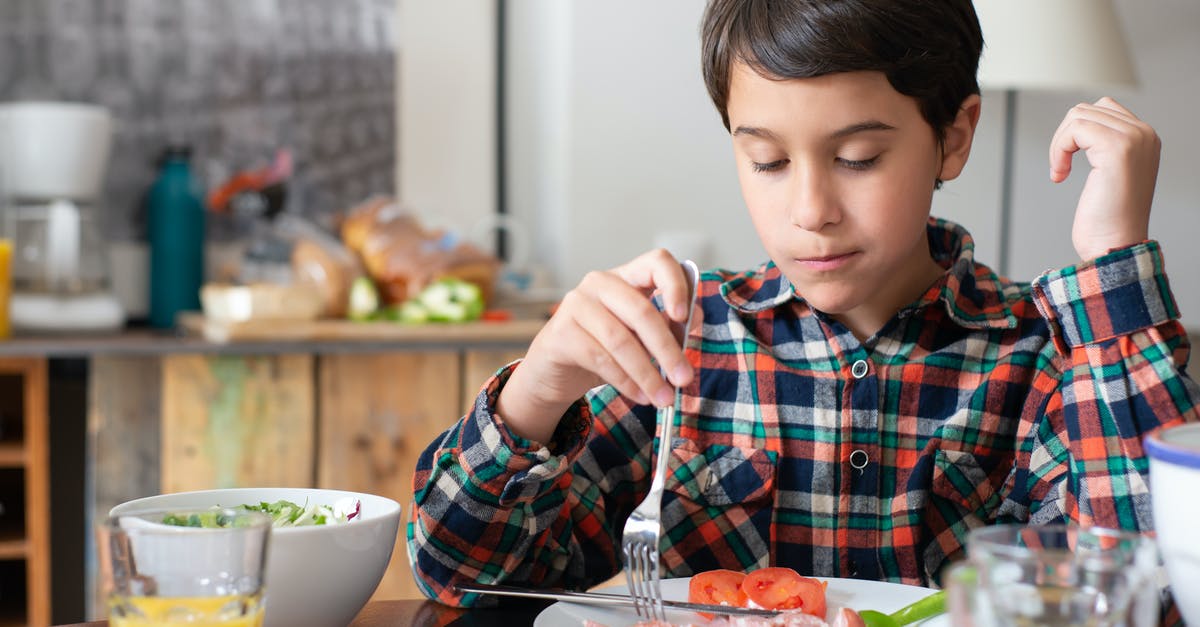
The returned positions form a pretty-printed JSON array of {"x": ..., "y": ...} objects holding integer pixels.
[{"x": 643, "y": 529}]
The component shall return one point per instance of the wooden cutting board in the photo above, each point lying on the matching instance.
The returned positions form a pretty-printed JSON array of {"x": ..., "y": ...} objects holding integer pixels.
[{"x": 513, "y": 331}]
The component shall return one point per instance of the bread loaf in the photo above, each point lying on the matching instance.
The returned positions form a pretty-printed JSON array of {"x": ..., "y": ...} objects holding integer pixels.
[
  {"x": 328, "y": 267},
  {"x": 402, "y": 257}
]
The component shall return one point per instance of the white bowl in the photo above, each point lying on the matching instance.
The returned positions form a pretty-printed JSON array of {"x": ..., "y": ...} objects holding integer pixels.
[
  {"x": 1174, "y": 474},
  {"x": 318, "y": 576}
]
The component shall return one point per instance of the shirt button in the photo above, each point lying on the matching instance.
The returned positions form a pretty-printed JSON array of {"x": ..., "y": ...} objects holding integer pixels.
[
  {"x": 859, "y": 369},
  {"x": 859, "y": 459}
]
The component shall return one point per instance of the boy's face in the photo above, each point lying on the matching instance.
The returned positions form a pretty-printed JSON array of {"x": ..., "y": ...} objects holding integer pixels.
[{"x": 838, "y": 173}]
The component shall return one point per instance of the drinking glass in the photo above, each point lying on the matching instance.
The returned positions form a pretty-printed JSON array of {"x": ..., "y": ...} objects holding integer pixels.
[
  {"x": 1060, "y": 575},
  {"x": 184, "y": 567}
]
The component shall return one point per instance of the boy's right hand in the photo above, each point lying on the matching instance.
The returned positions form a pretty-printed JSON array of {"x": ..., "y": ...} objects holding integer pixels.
[{"x": 606, "y": 330}]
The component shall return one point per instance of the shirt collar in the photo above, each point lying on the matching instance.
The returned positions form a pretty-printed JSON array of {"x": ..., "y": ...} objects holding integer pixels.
[{"x": 973, "y": 295}]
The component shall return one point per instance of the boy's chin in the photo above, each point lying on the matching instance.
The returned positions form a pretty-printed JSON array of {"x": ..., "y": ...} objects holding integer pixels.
[
  {"x": 833, "y": 297},
  {"x": 833, "y": 302}
]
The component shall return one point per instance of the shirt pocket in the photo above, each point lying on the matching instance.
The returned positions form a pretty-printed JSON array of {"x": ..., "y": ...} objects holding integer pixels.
[
  {"x": 959, "y": 478},
  {"x": 718, "y": 504}
]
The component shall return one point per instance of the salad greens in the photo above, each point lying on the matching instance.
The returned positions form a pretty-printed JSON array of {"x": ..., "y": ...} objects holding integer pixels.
[{"x": 283, "y": 514}]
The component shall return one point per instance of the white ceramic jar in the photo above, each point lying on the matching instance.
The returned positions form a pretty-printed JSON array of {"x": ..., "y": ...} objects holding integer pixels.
[{"x": 1174, "y": 475}]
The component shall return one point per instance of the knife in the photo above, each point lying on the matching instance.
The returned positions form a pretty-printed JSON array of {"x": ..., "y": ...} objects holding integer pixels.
[{"x": 601, "y": 598}]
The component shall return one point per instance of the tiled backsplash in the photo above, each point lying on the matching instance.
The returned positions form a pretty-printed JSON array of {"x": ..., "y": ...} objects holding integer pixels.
[{"x": 235, "y": 79}]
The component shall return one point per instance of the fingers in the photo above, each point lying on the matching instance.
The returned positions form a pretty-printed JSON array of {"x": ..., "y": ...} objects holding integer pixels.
[
  {"x": 1103, "y": 123},
  {"x": 659, "y": 270},
  {"x": 604, "y": 360},
  {"x": 1123, "y": 152},
  {"x": 620, "y": 336}
]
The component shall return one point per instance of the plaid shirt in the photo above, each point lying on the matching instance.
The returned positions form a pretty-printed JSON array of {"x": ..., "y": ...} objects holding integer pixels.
[{"x": 984, "y": 401}]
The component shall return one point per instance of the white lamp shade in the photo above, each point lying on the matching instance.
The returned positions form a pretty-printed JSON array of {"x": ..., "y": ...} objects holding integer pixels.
[{"x": 1052, "y": 44}]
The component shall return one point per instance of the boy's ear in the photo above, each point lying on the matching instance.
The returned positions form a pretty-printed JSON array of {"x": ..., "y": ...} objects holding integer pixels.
[{"x": 956, "y": 146}]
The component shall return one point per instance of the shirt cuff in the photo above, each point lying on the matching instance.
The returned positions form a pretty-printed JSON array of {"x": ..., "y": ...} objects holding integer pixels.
[
  {"x": 1119, "y": 293},
  {"x": 490, "y": 450}
]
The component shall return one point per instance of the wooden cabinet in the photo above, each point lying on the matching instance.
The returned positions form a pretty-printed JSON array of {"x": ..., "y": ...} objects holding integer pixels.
[
  {"x": 24, "y": 493},
  {"x": 351, "y": 420}
]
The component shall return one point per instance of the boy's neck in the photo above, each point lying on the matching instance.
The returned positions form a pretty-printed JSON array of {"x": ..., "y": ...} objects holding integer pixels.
[{"x": 866, "y": 320}]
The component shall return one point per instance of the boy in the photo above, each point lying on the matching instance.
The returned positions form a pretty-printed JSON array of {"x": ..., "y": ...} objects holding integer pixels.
[{"x": 855, "y": 406}]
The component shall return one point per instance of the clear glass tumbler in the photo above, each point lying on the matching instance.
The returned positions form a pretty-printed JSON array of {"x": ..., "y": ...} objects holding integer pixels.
[
  {"x": 184, "y": 567},
  {"x": 1060, "y": 575}
]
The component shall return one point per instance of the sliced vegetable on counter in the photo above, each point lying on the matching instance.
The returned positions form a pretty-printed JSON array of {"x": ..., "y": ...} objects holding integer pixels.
[
  {"x": 444, "y": 300},
  {"x": 409, "y": 311},
  {"x": 364, "y": 299},
  {"x": 452, "y": 300}
]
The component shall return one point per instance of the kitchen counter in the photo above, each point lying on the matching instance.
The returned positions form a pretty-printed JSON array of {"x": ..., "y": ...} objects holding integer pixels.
[{"x": 306, "y": 338}]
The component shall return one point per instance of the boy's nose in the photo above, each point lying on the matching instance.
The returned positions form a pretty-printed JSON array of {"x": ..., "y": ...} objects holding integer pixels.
[{"x": 812, "y": 205}]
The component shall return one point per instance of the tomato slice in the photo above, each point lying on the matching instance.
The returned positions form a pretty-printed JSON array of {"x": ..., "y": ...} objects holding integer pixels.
[
  {"x": 714, "y": 587},
  {"x": 779, "y": 588}
]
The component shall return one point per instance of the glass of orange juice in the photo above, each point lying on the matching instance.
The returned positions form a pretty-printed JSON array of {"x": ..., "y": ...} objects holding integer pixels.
[
  {"x": 193, "y": 567},
  {"x": 5, "y": 286}
]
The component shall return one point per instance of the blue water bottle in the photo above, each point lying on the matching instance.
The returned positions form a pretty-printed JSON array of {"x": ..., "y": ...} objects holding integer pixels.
[{"x": 175, "y": 228}]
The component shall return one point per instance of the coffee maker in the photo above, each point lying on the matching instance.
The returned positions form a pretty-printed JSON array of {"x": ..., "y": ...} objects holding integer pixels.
[{"x": 53, "y": 157}]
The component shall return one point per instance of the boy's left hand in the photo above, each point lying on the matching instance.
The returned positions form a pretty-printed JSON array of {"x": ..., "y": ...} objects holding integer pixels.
[{"x": 1114, "y": 207}]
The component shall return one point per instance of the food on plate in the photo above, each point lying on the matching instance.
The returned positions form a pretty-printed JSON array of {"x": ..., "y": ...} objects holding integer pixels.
[
  {"x": 847, "y": 617},
  {"x": 717, "y": 587},
  {"x": 773, "y": 588},
  {"x": 790, "y": 593},
  {"x": 778, "y": 588},
  {"x": 800, "y": 600},
  {"x": 914, "y": 612},
  {"x": 282, "y": 513},
  {"x": 785, "y": 619}
]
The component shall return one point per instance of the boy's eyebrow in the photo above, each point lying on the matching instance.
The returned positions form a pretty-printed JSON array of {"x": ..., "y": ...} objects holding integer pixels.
[
  {"x": 755, "y": 132},
  {"x": 857, "y": 127}
]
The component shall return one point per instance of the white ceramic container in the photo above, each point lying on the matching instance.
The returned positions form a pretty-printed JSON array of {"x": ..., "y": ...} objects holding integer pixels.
[
  {"x": 54, "y": 149},
  {"x": 1174, "y": 477}
]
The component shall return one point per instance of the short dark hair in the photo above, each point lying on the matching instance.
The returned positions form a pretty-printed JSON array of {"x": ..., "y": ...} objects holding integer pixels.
[{"x": 928, "y": 49}]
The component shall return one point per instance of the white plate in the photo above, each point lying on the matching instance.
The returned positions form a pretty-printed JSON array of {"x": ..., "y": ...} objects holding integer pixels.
[{"x": 853, "y": 593}]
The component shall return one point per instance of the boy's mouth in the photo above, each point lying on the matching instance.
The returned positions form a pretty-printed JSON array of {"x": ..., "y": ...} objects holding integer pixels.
[{"x": 827, "y": 262}]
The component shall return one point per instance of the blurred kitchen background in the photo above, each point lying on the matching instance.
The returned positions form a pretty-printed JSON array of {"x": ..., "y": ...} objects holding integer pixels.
[
  {"x": 559, "y": 136},
  {"x": 234, "y": 81}
]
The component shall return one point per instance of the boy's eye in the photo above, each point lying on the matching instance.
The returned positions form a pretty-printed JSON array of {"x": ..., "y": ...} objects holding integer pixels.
[
  {"x": 858, "y": 164},
  {"x": 768, "y": 167}
]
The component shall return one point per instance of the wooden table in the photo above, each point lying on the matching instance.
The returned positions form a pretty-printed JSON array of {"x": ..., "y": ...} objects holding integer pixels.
[{"x": 422, "y": 613}]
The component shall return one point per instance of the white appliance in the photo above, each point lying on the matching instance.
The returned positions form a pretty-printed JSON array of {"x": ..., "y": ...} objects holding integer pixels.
[{"x": 53, "y": 156}]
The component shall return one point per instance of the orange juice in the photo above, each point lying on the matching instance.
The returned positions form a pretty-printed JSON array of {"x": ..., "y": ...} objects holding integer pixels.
[
  {"x": 222, "y": 611},
  {"x": 5, "y": 286}
]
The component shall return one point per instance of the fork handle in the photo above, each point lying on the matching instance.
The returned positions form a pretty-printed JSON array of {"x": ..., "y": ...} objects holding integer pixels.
[
  {"x": 666, "y": 429},
  {"x": 666, "y": 415}
]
